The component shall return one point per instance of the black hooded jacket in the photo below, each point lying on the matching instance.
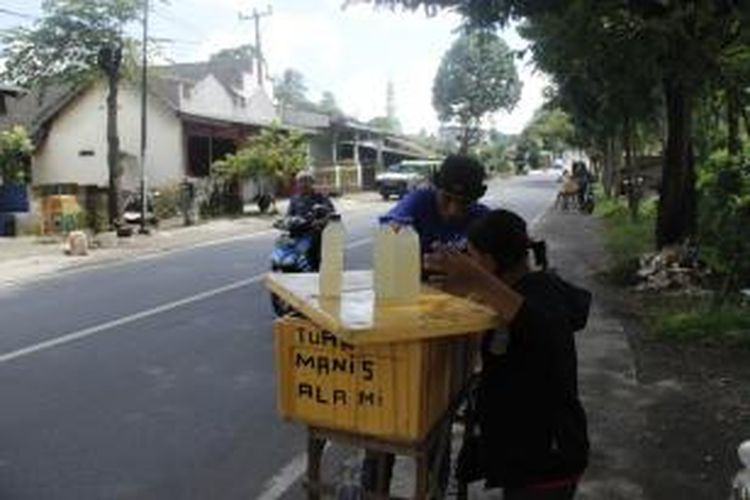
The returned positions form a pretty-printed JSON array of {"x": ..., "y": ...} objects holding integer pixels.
[{"x": 533, "y": 427}]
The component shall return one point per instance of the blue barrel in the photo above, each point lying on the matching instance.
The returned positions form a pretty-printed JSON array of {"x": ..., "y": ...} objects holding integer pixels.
[{"x": 14, "y": 198}]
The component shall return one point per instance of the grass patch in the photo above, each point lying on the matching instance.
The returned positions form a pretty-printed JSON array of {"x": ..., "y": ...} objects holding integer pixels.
[
  {"x": 626, "y": 239},
  {"x": 677, "y": 317},
  {"x": 691, "y": 319}
]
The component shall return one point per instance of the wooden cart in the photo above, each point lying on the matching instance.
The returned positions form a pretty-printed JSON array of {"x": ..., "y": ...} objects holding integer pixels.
[{"x": 382, "y": 376}]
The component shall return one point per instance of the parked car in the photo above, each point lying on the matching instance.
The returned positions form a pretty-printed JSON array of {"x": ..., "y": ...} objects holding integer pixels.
[{"x": 405, "y": 176}]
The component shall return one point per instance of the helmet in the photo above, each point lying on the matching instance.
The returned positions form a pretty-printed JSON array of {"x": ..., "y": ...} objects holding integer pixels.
[
  {"x": 304, "y": 175},
  {"x": 461, "y": 176}
]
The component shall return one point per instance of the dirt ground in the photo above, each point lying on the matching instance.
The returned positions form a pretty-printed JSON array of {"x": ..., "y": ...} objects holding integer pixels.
[{"x": 665, "y": 417}]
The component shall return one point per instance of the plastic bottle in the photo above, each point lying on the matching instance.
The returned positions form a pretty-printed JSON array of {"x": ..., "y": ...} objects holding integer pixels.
[
  {"x": 332, "y": 257},
  {"x": 396, "y": 261},
  {"x": 407, "y": 257},
  {"x": 383, "y": 259}
]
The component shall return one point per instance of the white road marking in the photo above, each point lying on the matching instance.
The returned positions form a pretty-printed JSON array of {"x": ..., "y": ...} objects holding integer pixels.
[
  {"x": 103, "y": 327},
  {"x": 284, "y": 479},
  {"x": 124, "y": 320}
]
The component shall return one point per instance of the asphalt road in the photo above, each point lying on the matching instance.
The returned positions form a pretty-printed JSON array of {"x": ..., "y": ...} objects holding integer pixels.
[{"x": 153, "y": 379}]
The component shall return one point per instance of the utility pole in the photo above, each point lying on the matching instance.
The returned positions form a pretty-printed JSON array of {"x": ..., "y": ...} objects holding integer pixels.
[
  {"x": 258, "y": 51},
  {"x": 144, "y": 93}
]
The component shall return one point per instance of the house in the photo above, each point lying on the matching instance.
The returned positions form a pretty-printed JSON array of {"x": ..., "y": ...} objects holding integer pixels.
[
  {"x": 345, "y": 153},
  {"x": 8, "y": 91},
  {"x": 196, "y": 113}
]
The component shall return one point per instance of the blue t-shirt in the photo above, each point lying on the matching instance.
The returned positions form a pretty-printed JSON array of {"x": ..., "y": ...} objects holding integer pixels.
[{"x": 421, "y": 206}]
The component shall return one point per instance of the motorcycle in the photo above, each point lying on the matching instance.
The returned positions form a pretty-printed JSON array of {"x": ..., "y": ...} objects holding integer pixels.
[
  {"x": 297, "y": 249},
  {"x": 586, "y": 203}
]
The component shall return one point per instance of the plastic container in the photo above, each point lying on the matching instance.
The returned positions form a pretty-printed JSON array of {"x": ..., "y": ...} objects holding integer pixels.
[
  {"x": 332, "y": 257},
  {"x": 408, "y": 264},
  {"x": 396, "y": 261},
  {"x": 383, "y": 259}
]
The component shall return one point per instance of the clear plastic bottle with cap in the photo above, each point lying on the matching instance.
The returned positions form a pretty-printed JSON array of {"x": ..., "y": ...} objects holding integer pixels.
[
  {"x": 396, "y": 261},
  {"x": 332, "y": 257},
  {"x": 407, "y": 257},
  {"x": 383, "y": 259}
]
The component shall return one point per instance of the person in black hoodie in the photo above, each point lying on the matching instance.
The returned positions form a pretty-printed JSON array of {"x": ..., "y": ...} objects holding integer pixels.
[{"x": 533, "y": 439}]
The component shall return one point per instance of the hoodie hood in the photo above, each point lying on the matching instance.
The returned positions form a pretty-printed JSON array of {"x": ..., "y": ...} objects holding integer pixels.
[{"x": 567, "y": 300}]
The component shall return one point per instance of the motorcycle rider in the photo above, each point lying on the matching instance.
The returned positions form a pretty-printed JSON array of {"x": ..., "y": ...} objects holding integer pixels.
[
  {"x": 304, "y": 204},
  {"x": 584, "y": 179}
]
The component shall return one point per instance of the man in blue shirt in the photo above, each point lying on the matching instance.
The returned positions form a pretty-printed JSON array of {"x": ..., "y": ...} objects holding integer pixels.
[{"x": 441, "y": 215}]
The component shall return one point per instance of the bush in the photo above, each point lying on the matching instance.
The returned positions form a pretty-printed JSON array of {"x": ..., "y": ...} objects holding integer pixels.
[
  {"x": 626, "y": 239},
  {"x": 169, "y": 201},
  {"x": 686, "y": 319},
  {"x": 724, "y": 218}
]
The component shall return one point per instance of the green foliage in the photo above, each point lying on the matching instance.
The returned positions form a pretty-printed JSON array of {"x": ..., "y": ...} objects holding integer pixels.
[
  {"x": 494, "y": 154},
  {"x": 244, "y": 54},
  {"x": 169, "y": 202},
  {"x": 69, "y": 42},
  {"x": 15, "y": 151},
  {"x": 626, "y": 239},
  {"x": 291, "y": 90},
  {"x": 476, "y": 76},
  {"x": 328, "y": 104},
  {"x": 724, "y": 234},
  {"x": 274, "y": 152},
  {"x": 550, "y": 130},
  {"x": 691, "y": 319}
]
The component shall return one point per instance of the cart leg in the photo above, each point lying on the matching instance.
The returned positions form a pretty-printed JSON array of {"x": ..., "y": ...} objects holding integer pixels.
[
  {"x": 423, "y": 477},
  {"x": 383, "y": 475},
  {"x": 314, "y": 454}
]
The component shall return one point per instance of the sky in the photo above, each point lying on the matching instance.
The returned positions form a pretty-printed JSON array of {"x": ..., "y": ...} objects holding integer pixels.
[{"x": 351, "y": 52}]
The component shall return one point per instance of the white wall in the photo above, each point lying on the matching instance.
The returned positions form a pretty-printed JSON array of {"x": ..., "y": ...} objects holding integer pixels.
[
  {"x": 83, "y": 126},
  {"x": 210, "y": 98}
]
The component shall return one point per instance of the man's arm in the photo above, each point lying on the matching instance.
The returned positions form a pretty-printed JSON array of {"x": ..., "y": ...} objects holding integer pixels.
[{"x": 410, "y": 205}]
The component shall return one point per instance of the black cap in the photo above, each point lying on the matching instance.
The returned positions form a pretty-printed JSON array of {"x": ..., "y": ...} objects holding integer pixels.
[{"x": 461, "y": 176}]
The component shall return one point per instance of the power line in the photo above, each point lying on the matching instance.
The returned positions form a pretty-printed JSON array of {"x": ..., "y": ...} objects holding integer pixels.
[
  {"x": 178, "y": 21},
  {"x": 174, "y": 41},
  {"x": 258, "y": 51}
]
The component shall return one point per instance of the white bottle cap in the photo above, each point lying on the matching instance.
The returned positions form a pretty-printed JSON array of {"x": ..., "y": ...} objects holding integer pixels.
[{"x": 744, "y": 453}]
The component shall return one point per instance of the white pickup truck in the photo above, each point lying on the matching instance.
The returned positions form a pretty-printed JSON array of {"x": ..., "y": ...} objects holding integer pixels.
[{"x": 400, "y": 178}]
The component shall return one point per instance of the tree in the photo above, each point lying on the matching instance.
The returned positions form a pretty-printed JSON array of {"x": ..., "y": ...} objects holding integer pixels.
[
  {"x": 244, "y": 54},
  {"x": 683, "y": 43},
  {"x": 273, "y": 153},
  {"x": 476, "y": 76},
  {"x": 328, "y": 104},
  {"x": 494, "y": 153},
  {"x": 291, "y": 90},
  {"x": 551, "y": 130},
  {"x": 75, "y": 42},
  {"x": 15, "y": 151}
]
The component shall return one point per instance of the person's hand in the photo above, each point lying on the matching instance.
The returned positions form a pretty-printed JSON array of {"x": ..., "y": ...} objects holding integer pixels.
[{"x": 456, "y": 273}]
